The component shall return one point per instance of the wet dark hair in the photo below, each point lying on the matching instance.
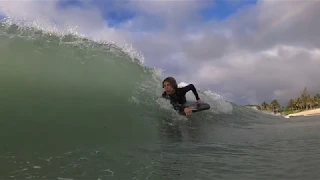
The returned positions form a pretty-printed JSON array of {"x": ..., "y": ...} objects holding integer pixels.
[{"x": 171, "y": 81}]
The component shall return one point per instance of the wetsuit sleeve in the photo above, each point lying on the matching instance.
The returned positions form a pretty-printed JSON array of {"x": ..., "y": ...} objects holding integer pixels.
[{"x": 192, "y": 88}]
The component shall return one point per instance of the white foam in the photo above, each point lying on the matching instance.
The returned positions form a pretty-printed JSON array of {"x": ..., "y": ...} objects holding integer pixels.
[
  {"x": 182, "y": 84},
  {"x": 52, "y": 29},
  {"x": 217, "y": 102},
  {"x": 109, "y": 171},
  {"x": 62, "y": 178}
]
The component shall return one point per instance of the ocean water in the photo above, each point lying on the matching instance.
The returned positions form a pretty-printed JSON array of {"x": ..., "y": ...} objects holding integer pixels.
[{"x": 72, "y": 108}]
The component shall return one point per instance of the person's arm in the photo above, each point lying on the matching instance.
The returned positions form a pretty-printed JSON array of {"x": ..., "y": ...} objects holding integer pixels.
[
  {"x": 182, "y": 109},
  {"x": 178, "y": 107},
  {"x": 164, "y": 95},
  {"x": 192, "y": 88}
]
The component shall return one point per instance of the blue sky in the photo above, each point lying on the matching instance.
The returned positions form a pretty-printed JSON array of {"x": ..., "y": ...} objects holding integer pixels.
[
  {"x": 224, "y": 9},
  {"x": 117, "y": 12}
]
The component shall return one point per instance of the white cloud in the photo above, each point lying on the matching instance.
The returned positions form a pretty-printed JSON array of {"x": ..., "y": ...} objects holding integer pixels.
[
  {"x": 275, "y": 73},
  {"x": 269, "y": 50}
]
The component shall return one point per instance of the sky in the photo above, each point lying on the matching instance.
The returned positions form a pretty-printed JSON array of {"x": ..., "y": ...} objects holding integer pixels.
[{"x": 248, "y": 51}]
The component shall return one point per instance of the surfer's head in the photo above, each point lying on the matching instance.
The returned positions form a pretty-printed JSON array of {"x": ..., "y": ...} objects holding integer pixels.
[{"x": 169, "y": 84}]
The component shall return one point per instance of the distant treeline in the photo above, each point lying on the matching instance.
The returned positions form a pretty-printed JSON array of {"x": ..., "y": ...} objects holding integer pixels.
[{"x": 306, "y": 101}]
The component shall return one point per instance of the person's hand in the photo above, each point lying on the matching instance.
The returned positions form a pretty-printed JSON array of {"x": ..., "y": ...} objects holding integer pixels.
[
  {"x": 199, "y": 101},
  {"x": 188, "y": 111}
]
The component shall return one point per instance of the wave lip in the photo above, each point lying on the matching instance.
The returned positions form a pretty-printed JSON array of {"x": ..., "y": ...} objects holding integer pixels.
[
  {"x": 48, "y": 26},
  {"x": 66, "y": 61}
]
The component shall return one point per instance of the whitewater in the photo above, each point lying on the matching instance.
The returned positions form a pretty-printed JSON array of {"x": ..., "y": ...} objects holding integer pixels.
[{"x": 76, "y": 108}]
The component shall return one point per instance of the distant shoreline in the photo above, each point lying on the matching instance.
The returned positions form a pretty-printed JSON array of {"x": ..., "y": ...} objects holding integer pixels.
[
  {"x": 312, "y": 112},
  {"x": 305, "y": 105}
]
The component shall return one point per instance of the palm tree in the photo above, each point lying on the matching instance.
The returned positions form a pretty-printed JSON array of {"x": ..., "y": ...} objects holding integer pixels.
[
  {"x": 305, "y": 98},
  {"x": 316, "y": 99},
  {"x": 305, "y": 101},
  {"x": 298, "y": 103},
  {"x": 275, "y": 106},
  {"x": 310, "y": 103},
  {"x": 290, "y": 105},
  {"x": 264, "y": 106}
]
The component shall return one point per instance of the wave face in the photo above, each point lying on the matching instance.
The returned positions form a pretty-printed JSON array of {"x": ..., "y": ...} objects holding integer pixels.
[
  {"x": 74, "y": 80},
  {"x": 74, "y": 108}
]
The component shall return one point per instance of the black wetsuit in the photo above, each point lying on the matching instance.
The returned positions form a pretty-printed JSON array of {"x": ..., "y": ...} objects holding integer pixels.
[{"x": 178, "y": 99}]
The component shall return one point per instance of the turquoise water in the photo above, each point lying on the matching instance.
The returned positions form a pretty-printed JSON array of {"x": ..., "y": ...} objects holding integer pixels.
[{"x": 72, "y": 108}]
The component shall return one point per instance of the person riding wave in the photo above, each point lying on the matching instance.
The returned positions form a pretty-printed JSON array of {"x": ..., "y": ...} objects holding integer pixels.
[{"x": 177, "y": 96}]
